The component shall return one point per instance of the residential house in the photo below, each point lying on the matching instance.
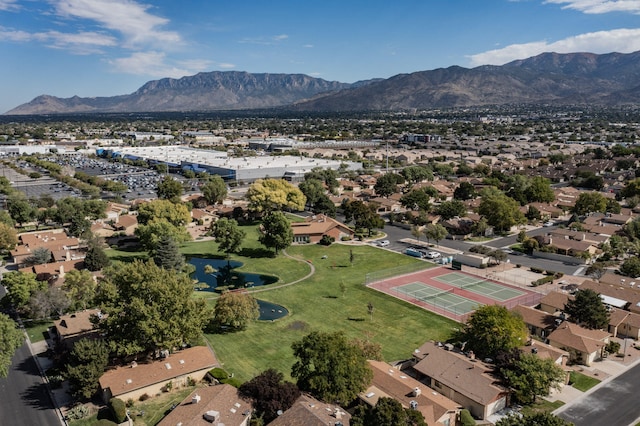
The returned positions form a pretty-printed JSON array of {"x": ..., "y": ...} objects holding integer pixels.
[
  {"x": 624, "y": 324},
  {"x": 102, "y": 229},
  {"x": 554, "y": 302},
  {"x": 127, "y": 224},
  {"x": 392, "y": 383},
  {"x": 57, "y": 242},
  {"x": 539, "y": 323},
  {"x": 308, "y": 411},
  {"x": 138, "y": 379},
  {"x": 386, "y": 205},
  {"x": 72, "y": 327},
  {"x": 461, "y": 378},
  {"x": 315, "y": 227},
  {"x": 584, "y": 345},
  {"x": 545, "y": 351},
  {"x": 54, "y": 270},
  {"x": 219, "y": 404},
  {"x": 203, "y": 217},
  {"x": 622, "y": 295}
]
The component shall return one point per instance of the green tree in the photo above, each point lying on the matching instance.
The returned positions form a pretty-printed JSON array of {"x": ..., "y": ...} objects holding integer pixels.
[
  {"x": 151, "y": 233},
  {"x": 176, "y": 214},
  {"x": 148, "y": 308},
  {"x": 235, "y": 309},
  {"x": 6, "y": 218},
  {"x": 21, "y": 209},
  {"x": 450, "y": 209},
  {"x": 330, "y": 367},
  {"x": 328, "y": 176},
  {"x": 530, "y": 376},
  {"x": 8, "y": 237},
  {"x": 533, "y": 213},
  {"x": 215, "y": 190},
  {"x": 80, "y": 226},
  {"x": 493, "y": 328},
  {"x": 595, "y": 270},
  {"x": 364, "y": 215},
  {"x": 268, "y": 195},
  {"x": 590, "y": 202},
  {"x": 414, "y": 174},
  {"x": 464, "y": 191},
  {"x": 538, "y": 418},
  {"x": 96, "y": 258},
  {"x": 416, "y": 199},
  {"x": 312, "y": 189},
  {"x": 387, "y": 184},
  {"x": 631, "y": 189},
  {"x": 501, "y": 212},
  {"x": 85, "y": 365},
  {"x": 170, "y": 189},
  {"x": 435, "y": 232},
  {"x": 387, "y": 412},
  {"x": 587, "y": 308},
  {"x": 416, "y": 231},
  {"x": 539, "y": 190},
  {"x": 498, "y": 256},
  {"x": 39, "y": 256},
  {"x": 631, "y": 267},
  {"x": 80, "y": 287},
  {"x": 51, "y": 301},
  {"x": 11, "y": 339},
  {"x": 325, "y": 206},
  {"x": 166, "y": 254},
  {"x": 20, "y": 287},
  {"x": 270, "y": 393},
  {"x": 276, "y": 231},
  {"x": 228, "y": 235}
]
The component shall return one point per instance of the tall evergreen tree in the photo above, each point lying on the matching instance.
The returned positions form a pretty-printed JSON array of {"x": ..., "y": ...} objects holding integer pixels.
[
  {"x": 587, "y": 309},
  {"x": 167, "y": 255}
]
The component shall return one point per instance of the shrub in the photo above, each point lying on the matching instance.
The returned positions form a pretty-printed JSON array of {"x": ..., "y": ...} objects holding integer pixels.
[
  {"x": 541, "y": 281},
  {"x": 78, "y": 412},
  {"x": 327, "y": 240},
  {"x": 219, "y": 374},
  {"x": 119, "y": 409},
  {"x": 612, "y": 347},
  {"x": 558, "y": 275},
  {"x": 129, "y": 403},
  {"x": 466, "y": 419},
  {"x": 536, "y": 270},
  {"x": 144, "y": 397}
]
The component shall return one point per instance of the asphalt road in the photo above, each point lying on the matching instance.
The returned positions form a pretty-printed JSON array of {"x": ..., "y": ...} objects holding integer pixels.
[
  {"x": 613, "y": 403},
  {"x": 24, "y": 400},
  {"x": 395, "y": 234}
]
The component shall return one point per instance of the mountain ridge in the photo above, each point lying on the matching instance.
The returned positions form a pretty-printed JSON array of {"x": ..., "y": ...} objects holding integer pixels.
[{"x": 570, "y": 78}]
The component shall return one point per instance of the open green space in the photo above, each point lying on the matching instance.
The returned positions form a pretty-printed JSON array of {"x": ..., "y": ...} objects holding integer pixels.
[
  {"x": 541, "y": 405},
  {"x": 319, "y": 304},
  {"x": 36, "y": 329},
  {"x": 582, "y": 382}
]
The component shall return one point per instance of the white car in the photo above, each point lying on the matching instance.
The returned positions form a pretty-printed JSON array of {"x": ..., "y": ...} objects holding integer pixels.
[
  {"x": 548, "y": 224},
  {"x": 383, "y": 243},
  {"x": 432, "y": 255}
]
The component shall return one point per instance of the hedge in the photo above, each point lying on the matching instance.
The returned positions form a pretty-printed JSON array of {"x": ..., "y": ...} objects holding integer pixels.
[{"x": 119, "y": 409}]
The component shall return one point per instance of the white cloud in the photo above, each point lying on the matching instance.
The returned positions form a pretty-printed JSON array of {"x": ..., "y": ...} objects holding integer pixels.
[
  {"x": 620, "y": 40},
  {"x": 156, "y": 64},
  {"x": 9, "y": 5},
  {"x": 280, "y": 37},
  {"x": 79, "y": 43},
  {"x": 226, "y": 65},
  {"x": 599, "y": 6},
  {"x": 308, "y": 46},
  {"x": 127, "y": 17},
  {"x": 265, "y": 41}
]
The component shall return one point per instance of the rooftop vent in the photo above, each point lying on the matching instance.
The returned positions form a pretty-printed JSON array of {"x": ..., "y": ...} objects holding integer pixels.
[{"x": 416, "y": 391}]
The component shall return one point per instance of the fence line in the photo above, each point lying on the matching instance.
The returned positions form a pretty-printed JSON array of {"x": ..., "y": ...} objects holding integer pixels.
[{"x": 395, "y": 272}]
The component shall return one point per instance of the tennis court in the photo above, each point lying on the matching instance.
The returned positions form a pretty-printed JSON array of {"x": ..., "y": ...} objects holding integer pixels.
[
  {"x": 445, "y": 299},
  {"x": 479, "y": 286}
]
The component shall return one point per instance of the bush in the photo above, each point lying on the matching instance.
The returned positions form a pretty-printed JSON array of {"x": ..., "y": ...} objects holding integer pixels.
[
  {"x": 219, "y": 374},
  {"x": 612, "y": 347},
  {"x": 466, "y": 419},
  {"x": 129, "y": 403},
  {"x": 78, "y": 412},
  {"x": 536, "y": 270},
  {"x": 541, "y": 281},
  {"x": 144, "y": 397},
  {"x": 327, "y": 240},
  {"x": 558, "y": 275},
  {"x": 119, "y": 409}
]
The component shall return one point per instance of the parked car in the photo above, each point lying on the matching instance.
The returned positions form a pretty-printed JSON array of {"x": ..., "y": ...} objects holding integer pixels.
[
  {"x": 432, "y": 255},
  {"x": 383, "y": 243},
  {"x": 548, "y": 224}
]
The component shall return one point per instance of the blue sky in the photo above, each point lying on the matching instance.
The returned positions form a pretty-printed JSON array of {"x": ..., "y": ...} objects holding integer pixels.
[{"x": 112, "y": 47}]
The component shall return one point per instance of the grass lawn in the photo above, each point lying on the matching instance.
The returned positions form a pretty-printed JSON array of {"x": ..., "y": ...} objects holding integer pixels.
[
  {"x": 542, "y": 406},
  {"x": 318, "y": 304},
  {"x": 581, "y": 382},
  {"x": 36, "y": 329}
]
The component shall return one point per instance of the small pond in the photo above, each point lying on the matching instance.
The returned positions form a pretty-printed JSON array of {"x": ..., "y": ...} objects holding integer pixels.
[
  {"x": 270, "y": 311},
  {"x": 225, "y": 275}
]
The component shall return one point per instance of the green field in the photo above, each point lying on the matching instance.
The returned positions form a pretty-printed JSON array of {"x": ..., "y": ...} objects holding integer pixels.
[{"x": 315, "y": 304}]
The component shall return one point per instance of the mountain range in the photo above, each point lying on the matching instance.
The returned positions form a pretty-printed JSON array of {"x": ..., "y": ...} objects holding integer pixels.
[{"x": 549, "y": 78}]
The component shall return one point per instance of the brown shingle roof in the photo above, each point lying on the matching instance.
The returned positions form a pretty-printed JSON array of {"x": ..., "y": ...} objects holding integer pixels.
[
  {"x": 468, "y": 377},
  {"x": 76, "y": 323},
  {"x": 556, "y": 300},
  {"x": 308, "y": 411},
  {"x": 221, "y": 398},
  {"x": 535, "y": 317},
  {"x": 126, "y": 379},
  {"x": 575, "y": 337}
]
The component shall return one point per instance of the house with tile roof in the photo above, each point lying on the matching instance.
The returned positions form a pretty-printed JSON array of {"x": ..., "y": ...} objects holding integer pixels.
[
  {"x": 222, "y": 403},
  {"x": 461, "y": 378},
  {"x": 315, "y": 227},
  {"x": 390, "y": 382},
  {"x": 57, "y": 242},
  {"x": 584, "y": 345},
  {"x": 554, "y": 302},
  {"x": 545, "y": 351},
  {"x": 138, "y": 379},
  {"x": 623, "y": 291},
  {"x": 308, "y": 411},
  {"x": 624, "y": 324}
]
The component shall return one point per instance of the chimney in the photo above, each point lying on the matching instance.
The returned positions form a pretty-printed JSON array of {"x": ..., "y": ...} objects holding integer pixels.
[
  {"x": 472, "y": 355},
  {"x": 195, "y": 399},
  {"x": 61, "y": 274}
]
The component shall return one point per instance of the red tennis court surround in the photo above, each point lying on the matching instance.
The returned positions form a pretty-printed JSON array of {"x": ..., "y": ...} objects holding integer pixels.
[{"x": 475, "y": 288}]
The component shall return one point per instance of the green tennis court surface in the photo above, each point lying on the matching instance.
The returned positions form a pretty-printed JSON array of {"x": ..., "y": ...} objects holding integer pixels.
[
  {"x": 489, "y": 289},
  {"x": 444, "y": 299}
]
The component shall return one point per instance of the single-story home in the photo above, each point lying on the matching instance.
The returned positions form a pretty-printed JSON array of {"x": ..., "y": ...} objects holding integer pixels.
[
  {"x": 461, "y": 378},
  {"x": 539, "y": 323},
  {"x": 392, "y": 383},
  {"x": 624, "y": 324},
  {"x": 72, "y": 327},
  {"x": 138, "y": 379},
  {"x": 554, "y": 302},
  {"x": 308, "y": 411},
  {"x": 584, "y": 345},
  {"x": 219, "y": 404},
  {"x": 315, "y": 227}
]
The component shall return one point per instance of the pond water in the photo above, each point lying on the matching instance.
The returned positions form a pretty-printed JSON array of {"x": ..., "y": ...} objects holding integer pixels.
[
  {"x": 270, "y": 311},
  {"x": 225, "y": 275}
]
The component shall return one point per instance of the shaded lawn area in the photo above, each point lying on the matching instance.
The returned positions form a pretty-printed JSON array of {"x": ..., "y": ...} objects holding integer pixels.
[
  {"x": 582, "y": 382},
  {"x": 542, "y": 405},
  {"x": 318, "y": 304},
  {"x": 36, "y": 329}
]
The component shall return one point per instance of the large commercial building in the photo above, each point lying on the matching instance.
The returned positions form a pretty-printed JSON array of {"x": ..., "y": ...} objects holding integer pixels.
[{"x": 238, "y": 169}]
